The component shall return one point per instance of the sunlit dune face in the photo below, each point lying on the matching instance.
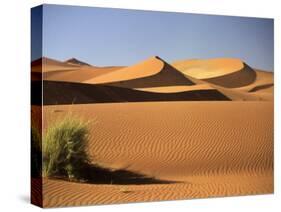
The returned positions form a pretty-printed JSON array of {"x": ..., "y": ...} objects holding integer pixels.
[
  {"x": 175, "y": 89},
  {"x": 204, "y": 69},
  {"x": 144, "y": 69}
]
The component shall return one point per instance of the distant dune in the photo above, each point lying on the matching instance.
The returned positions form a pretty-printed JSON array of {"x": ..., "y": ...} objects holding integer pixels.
[
  {"x": 79, "y": 75},
  {"x": 45, "y": 64},
  {"x": 72, "y": 70},
  {"x": 76, "y": 62},
  {"x": 230, "y": 77}
]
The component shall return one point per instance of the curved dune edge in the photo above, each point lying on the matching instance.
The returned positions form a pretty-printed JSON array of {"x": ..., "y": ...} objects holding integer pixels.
[
  {"x": 243, "y": 77},
  {"x": 237, "y": 95},
  {"x": 264, "y": 87},
  {"x": 146, "y": 68},
  {"x": 226, "y": 72},
  {"x": 168, "y": 76},
  {"x": 262, "y": 78},
  {"x": 241, "y": 93},
  {"x": 208, "y": 68},
  {"x": 176, "y": 89}
]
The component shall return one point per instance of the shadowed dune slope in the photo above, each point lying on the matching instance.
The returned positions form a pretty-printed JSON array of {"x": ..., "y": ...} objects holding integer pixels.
[
  {"x": 78, "y": 93},
  {"x": 266, "y": 87},
  {"x": 226, "y": 72},
  {"x": 76, "y": 62},
  {"x": 262, "y": 78},
  {"x": 260, "y": 90},
  {"x": 153, "y": 72},
  {"x": 208, "y": 68},
  {"x": 243, "y": 77}
]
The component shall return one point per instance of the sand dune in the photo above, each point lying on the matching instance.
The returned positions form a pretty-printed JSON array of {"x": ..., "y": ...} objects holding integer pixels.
[
  {"x": 78, "y": 93},
  {"x": 243, "y": 77},
  {"x": 209, "y": 68},
  {"x": 230, "y": 77},
  {"x": 167, "y": 76},
  {"x": 153, "y": 72},
  {"x": 143, "y": 69},
  {"x": 230, "y": 73},
  {"x": 72, "y": 70},
  {"x": 211, "y": 148},
  {"x": 261, "y": 89},
  {"x": 74, "y": 61},
  {"x": 45, "y": 64},
  {"x": 262, "y": 78},
  {"x": 79, "y": 75}
]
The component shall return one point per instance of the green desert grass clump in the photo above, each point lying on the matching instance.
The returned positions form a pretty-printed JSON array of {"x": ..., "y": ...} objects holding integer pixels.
[{"x": 64, "y": 148}]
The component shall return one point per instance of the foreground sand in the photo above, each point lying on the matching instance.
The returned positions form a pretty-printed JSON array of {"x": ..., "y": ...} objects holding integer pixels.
[{"x": 206, "y": 148}]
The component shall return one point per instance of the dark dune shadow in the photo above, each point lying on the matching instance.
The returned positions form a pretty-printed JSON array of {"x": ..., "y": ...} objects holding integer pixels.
[
  {"x": 79, "y": 93},
  {"x": 98, "y": 175},
  {"x": 243, "y": 77},
  {"x": 168, "y": 76},
  {"x": 261, "y": 87}
]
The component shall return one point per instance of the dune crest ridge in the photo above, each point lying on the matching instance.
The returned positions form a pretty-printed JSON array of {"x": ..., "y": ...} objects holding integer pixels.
[
  {"x": 149, "y": 67},
  {"x": 76, "y": 62},
  {"x": 208, "y": 68}
]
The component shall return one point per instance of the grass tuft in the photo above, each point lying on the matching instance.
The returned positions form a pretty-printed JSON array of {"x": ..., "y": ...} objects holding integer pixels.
[{"x": 64, "y": 149}]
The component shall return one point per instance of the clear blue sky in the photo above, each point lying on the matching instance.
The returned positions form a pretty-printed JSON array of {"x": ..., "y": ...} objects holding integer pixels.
[{"x": 102, "y": 36}]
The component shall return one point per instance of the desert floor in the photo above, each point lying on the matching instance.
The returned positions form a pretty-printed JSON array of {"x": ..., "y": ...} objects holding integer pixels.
[{"x": 199, "y": 150}]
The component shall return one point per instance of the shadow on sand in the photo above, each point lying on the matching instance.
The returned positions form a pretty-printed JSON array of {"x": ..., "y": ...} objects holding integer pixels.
[{"x": 98, "y": 175}]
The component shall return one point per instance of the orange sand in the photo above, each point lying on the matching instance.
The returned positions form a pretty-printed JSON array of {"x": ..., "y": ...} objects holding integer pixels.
[{"x": 210, "y": 148}]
